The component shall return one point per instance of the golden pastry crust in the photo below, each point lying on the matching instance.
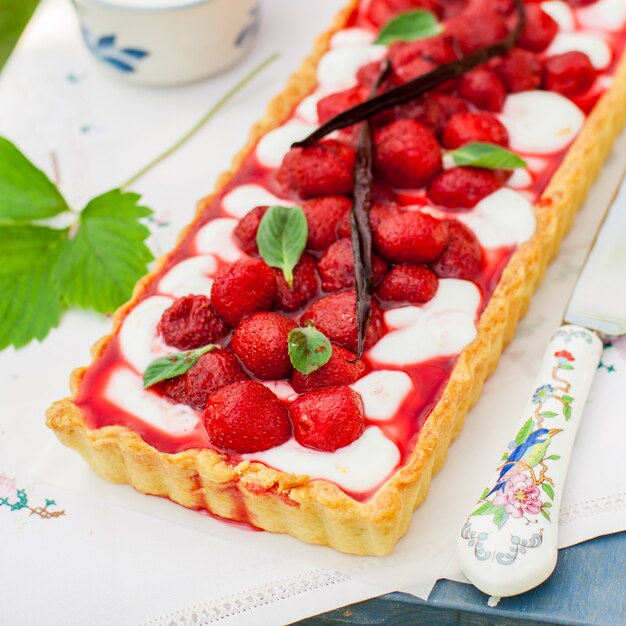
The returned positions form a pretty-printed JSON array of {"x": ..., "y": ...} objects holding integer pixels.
[{"x": 318, "y": 511}]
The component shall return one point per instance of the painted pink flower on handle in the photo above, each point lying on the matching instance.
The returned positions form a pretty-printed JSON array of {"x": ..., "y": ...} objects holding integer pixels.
[{"x": 519, "y": 496}]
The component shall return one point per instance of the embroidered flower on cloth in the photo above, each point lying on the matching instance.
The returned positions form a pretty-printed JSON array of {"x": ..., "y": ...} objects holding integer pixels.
[
  {"x": 542, "y": 394},
  {"x": 520, "y": 496},
  {"x": 8, "y": 488}
]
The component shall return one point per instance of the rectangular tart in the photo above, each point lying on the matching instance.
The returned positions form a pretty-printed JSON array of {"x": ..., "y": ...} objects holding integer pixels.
[{"x": 136, "y": 436}]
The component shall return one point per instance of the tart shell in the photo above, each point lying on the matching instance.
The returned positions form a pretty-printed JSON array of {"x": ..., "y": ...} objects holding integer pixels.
[{"x": 318, "y": 511}]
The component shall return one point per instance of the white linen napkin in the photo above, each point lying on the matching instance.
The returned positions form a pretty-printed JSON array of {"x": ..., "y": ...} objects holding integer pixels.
[{"x": 117, "y": 556}]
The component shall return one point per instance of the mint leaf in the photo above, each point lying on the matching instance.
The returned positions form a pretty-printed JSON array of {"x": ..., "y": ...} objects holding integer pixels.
[
  {"x": 409, "y": 26},
  {"x": 173, "y": 365},
  {"x": 487, "y": 155},
  {"x": 309, "y": 349},
  {"x": 99, "y": 266},
  {"x": 26, "y": 193},
  {"x": 282, "y": 237},
  {"x": 30, "y": 304},
  {"x": 524, "y": 431}
]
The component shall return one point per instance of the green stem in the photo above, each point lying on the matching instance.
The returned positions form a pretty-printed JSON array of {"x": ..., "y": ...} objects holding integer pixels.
[{"x": 233, "y": 91}]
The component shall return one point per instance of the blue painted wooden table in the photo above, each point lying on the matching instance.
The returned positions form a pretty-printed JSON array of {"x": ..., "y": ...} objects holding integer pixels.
[{"x": 587, "y": 588}]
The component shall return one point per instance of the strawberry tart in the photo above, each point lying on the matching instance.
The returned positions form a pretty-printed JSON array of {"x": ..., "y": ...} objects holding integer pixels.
[{"x": 304, "y": 356}]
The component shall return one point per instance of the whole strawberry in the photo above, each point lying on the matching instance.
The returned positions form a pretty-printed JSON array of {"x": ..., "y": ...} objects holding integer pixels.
[
  {"x": 323, "y": 169},
  {"x": 323, "y": 216},
  {"x": 406, "y": 154},
  {"x": 410, "y": 236},
  {"x": 463, "y": 187},
  {"x": 520, "y": 70},
  {"x": 468, "y": 127},
  {"x": 245, "y": 231},
  {"x": 246, "y": 417},
  {"x": 414, "y": 284},
  {"x": 335, "y": 316},
  {"x": 463, "y": 257},
  {"x": 327, "y": 419},
  {"x": 247, "y": 286},
  {"x": 213, "y": 370},
  {"x": 483, "y": 89},
  {"x": 260, "y": 341},
  {"x": 569, "y": 74},
  {"x": 336, "y": 103},
  {"x": 191, "y": 322},
  {"x": 475, "y": 28},
  {"x": 336, "y": 267},
  {"x": 539, "y": 31},
  {"x": 341, "y": 369},
  {"x": 304, "y": 288}
]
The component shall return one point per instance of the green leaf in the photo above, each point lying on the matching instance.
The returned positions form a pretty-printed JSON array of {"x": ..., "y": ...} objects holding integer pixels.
[
  {"x": 488, "y": 155},
  {"x": 524, "y": 431},
  {"x": 553, "y": 457},
  {"x": 567, "y": 412},
  {"x": 409, "y": 26},
  {"x": 548, "y": 414},
  {"x": 26, "y": 193},
  {"x": 173, "y": 365},
  {"x": 30, "y": 304},
  {"x": 547, "y": 505},
  {"x": 500, "y": 516},
  {"x": 484, "y": 493},
  {"x": 309, "y": 349},
  {"x": 99, "y": 266},
  {"x": 566, "y": 366},
  {"x": 567, "y": 399},
  {"x": 548, "y": 489},
  {"x": 282, "y": 237},
  {"x": 505, "y": 456},
  {"x": 545, "y": 514},
  {"x": 486, "y": 508}
]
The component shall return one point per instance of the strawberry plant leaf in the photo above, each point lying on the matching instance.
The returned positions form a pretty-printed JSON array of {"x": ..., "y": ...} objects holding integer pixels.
[
  {"x": 409, "y": 26},
  {"x": 99, "y": 266},
  {"x": 173, "y": 365},
  {"x": 309, "y": 349},
  {"x": 524, "y": 431},
  {"x": 487, "y": 155},
  {"x": 26, "y": 193},
  {"x": 282, "y": 237},
  {"x": 30, "y": 305}
]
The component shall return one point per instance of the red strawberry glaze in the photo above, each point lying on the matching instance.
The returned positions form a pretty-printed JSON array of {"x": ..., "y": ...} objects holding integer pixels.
[{"x": 429, "y": 377}]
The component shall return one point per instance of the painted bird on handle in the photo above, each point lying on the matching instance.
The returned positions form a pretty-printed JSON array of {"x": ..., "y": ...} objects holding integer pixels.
[{"x": 526, "y": 456}]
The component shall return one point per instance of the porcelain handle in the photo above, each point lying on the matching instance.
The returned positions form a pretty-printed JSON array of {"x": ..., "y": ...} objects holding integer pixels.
[{"x": 508, "y": 543}]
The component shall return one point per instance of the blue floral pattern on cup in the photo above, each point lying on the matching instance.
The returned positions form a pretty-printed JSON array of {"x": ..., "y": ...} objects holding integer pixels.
[{"x": 106, "y": 49}]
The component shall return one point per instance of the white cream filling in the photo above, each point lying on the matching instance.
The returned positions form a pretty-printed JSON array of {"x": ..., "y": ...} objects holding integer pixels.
[
  {"x": 216, "y": 237},
  {"x": 125, "y": 390},
  {"x": 241, "y": 200},
  {"x": 337, "y": 69},
  {"x": 540, "y": 122},
  {"x": 347, "y": 37},
  {"x": 441, "y": 327},
  {"x": 383, "y": 392},
  {"x": 561, "y": 13},
  {"x": 592, "y": 45},
  {"x": 191, "y": 276},
  {"x": 519, "y": 179},
  {"x": 307, "y": 109},
  {"x": 609, "y": 15},
  {"x": 359, "y": 467},
  {"x": 274, "y": 145},
  {"x": 503, "y": 218},
  {"x": 139, "y": 340},
  {"x": 282, "y": 389}
]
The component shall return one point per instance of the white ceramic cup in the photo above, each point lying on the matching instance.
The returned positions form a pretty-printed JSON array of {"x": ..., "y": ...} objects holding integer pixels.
[{"x": 167, "y": 42}]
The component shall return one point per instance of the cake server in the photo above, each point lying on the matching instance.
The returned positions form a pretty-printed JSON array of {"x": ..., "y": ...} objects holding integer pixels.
[{"x": 508, "y": 543}]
